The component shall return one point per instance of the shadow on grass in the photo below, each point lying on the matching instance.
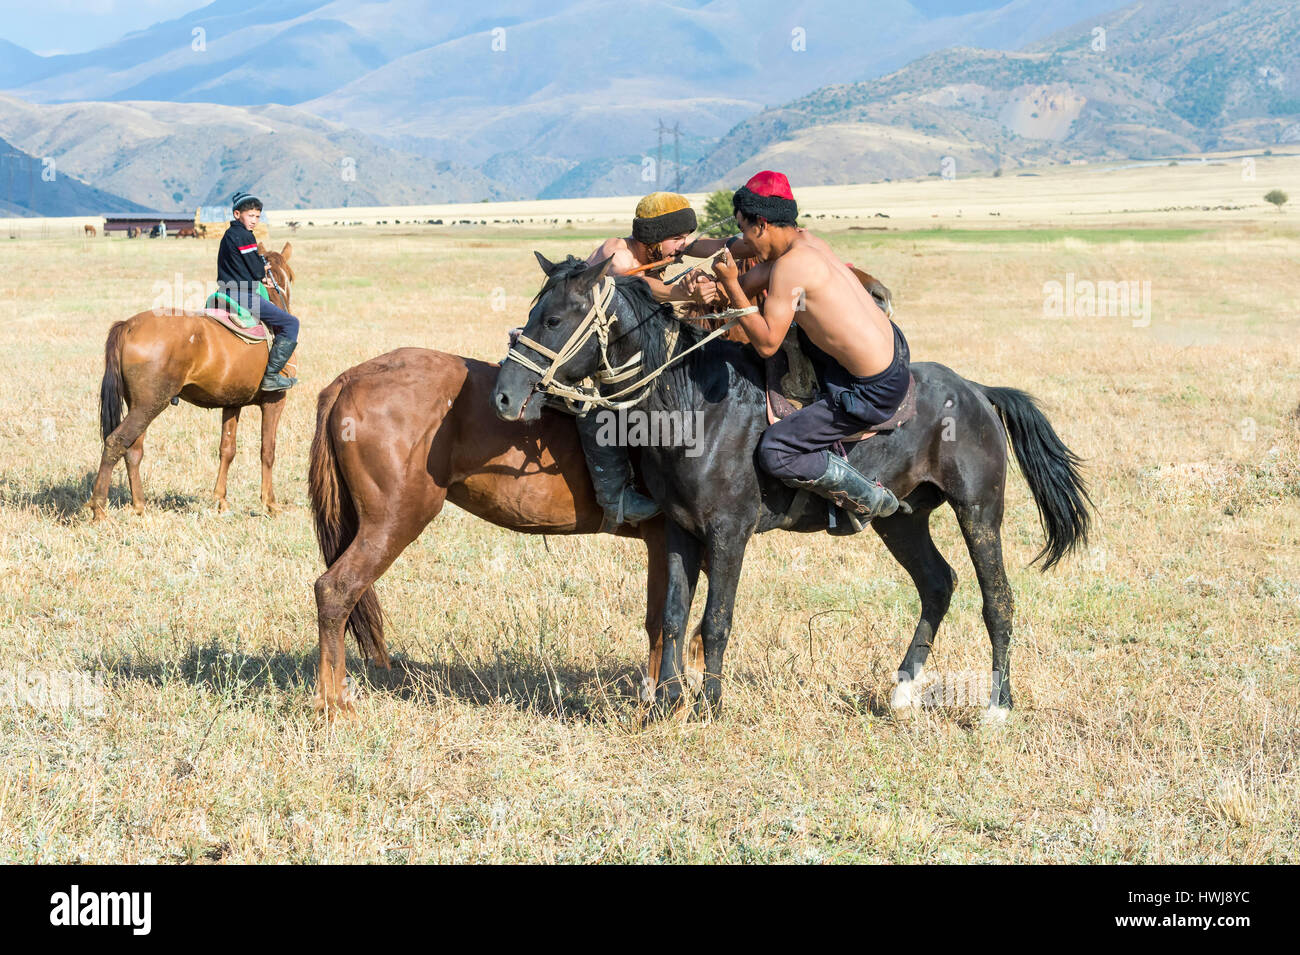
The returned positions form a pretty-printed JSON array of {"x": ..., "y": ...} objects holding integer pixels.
[
  {"x": 529, "y": 684},
  {"x": 66, "y": 500}
]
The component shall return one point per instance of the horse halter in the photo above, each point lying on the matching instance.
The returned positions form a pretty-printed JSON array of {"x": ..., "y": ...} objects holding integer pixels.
[{"x": 598, "y": 321}]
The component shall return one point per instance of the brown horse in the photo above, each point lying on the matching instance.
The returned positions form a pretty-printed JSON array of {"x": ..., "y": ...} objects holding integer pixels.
[
  {"x": 89, "y": 230},
  {"x": 399, "y": 435},
  {"x": 156, "y": 357}
]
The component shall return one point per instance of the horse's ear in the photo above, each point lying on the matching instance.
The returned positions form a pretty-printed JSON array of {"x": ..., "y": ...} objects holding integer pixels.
[
  {"x": 286, "y": 251},
  {"x": 594, "y": 273},
  {"x": 547, "y": 265}
]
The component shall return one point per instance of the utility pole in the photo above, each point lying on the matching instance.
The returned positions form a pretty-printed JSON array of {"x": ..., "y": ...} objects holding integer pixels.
[
  {"x": 659, "y": 152},
  {"x": 677, "y": 157}
]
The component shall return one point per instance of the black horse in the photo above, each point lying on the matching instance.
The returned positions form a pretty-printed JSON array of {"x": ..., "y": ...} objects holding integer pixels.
[{"x": 954, "y": 450}]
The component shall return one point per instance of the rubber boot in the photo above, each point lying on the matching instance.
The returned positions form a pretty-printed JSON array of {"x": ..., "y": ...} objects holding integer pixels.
[
  {"x": 611, "y": 476},
  {"x": 281, "y": 349},
  {"x": 858, "y": 499}
]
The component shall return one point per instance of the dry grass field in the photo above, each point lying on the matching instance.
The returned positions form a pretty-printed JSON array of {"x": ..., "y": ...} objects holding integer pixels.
[{"x": 1156, "y": 673}]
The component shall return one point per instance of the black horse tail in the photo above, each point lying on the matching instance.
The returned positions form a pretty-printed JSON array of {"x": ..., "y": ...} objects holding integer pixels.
[
  {"x": 112, "y": 390},
  {"x": 1050, "y": 468},
  {"x": 337, "y": 522}
]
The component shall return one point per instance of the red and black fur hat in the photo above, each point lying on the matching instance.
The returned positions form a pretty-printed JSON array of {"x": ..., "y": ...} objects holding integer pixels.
[{"x": 767, "y": 196}]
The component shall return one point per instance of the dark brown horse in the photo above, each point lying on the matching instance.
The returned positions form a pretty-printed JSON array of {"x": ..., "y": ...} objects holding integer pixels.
[
  {"x": 157, "y": 356},
  {"x": 399, "y": 435}
]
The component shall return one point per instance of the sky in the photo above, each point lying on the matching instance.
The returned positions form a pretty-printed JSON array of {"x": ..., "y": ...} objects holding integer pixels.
[{"x": 74, "y": 26}]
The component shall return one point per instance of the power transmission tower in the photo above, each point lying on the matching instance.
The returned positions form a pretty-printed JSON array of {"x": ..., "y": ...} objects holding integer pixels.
[
  {"x": 659, "y": 152},
  {"x": 677, "y": 157}
]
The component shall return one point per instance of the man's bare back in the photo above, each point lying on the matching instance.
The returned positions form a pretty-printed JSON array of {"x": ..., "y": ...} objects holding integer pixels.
[
  {"x": 808, "y": 283},
  {"x": 832, "y": 307}
]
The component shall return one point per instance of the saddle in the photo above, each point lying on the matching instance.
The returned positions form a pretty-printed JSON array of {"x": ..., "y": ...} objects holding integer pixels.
[
  {"x": 792, "y": 383},
  {"x": 233, "y": 317},
  {"x": 254, "y": 335}
]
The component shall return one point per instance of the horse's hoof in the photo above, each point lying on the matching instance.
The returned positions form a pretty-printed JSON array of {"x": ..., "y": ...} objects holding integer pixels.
[
  {"x": 995, "y": 715},
  {"x": 334, "y": 709},
  {"x": 907, "y": 694},
  {"x": 707, "y": 711},
  {"x": 138, "y": 509},
  {"x": 668, "y": 706},
  {"x": 222, "y": 506}
]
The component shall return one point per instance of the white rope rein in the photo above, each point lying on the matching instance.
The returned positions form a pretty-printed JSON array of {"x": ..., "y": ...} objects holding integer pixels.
[{"x": 598, "y": 321}]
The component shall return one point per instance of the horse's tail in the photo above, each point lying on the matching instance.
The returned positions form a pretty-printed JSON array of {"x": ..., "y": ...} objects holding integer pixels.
[
  {"x": 336, "y": 525},
  {"x": 112, "y": 390},
  {"x": 1050, "y": 468}
]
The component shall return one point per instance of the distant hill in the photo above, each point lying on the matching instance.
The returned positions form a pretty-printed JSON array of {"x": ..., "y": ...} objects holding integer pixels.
[
  {"x": 1164, "y": 77},
  {"x": 172, "y": 155},
  {"x": 28, "y": 187}
]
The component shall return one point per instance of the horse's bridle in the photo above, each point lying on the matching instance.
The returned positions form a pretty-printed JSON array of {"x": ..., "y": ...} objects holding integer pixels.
[
  {"x": 284, "y": 292},
  {"x": 598, "y": 321}
]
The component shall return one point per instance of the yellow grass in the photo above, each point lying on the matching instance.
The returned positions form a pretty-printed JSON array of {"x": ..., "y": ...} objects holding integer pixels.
[{"x": 1155, "y": 674}]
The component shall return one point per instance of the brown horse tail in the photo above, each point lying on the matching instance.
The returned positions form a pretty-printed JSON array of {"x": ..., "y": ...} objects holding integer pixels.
[
  {"x": 112, "y": 390},
  {"x": 336, "y": 525}
]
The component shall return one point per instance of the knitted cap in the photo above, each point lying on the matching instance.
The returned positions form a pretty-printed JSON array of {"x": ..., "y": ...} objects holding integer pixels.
[
  {"x": 661, "y": 215},
  {"x": 244, "y": 198}
]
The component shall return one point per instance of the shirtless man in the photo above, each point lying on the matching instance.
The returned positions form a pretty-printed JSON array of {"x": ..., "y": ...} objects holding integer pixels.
[{"x": 863, "y": 355}]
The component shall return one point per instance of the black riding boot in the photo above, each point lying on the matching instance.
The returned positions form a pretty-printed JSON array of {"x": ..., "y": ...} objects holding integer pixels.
[
  {"x": 858, "y": 498},
  {"x": 281, "y": 349},
  {"x": 611, "y": 476}
]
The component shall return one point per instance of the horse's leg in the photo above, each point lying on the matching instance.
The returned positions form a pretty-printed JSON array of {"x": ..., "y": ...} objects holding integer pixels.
[
  {"x": 981, "y": 525},
  {"x": 378, "y": 542},
  {"x": 652, "y": 533},
  {"x": 134, "y": 455},
  {"x": 683, "y": 573},
  {"x": 908, "y": 538},
  {"x": 229, "y": 427},
  {"x": 725, "y": 554},
  {"x": 124, "y": 436},
  {"x": 272, "y": 408}
]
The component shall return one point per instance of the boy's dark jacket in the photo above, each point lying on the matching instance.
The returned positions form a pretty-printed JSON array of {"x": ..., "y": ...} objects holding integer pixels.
[{"x": 238, "y": 260}]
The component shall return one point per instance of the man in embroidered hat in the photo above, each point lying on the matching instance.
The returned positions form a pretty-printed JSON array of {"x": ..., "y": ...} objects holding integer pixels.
[{"x": 863, "y": 356}]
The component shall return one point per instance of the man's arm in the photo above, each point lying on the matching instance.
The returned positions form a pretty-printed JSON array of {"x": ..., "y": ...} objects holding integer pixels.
[
  {"x": 765, "y": 329},
  {"x": 624, "y": 261},
  {"x": 703, "y": 248}
]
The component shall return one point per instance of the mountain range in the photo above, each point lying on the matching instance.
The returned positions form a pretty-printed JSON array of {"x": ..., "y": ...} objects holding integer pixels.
[{"x": 352, "y": 102}]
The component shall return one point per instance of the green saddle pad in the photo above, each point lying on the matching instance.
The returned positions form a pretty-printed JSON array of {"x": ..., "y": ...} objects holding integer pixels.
[{"x": 242, "y": 316}]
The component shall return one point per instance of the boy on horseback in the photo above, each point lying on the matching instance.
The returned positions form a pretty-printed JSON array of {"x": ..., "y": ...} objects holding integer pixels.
[
  {"x": 240, "y": 268},
  {"x": 863, "y": 356}
]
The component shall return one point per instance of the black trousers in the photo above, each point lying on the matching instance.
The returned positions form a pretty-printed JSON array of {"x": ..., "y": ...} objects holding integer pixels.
[{"x": 795, "y": 448}]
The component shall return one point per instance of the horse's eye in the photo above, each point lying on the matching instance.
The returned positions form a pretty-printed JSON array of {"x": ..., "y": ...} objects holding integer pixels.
[{"x": 551, "y": 322}]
